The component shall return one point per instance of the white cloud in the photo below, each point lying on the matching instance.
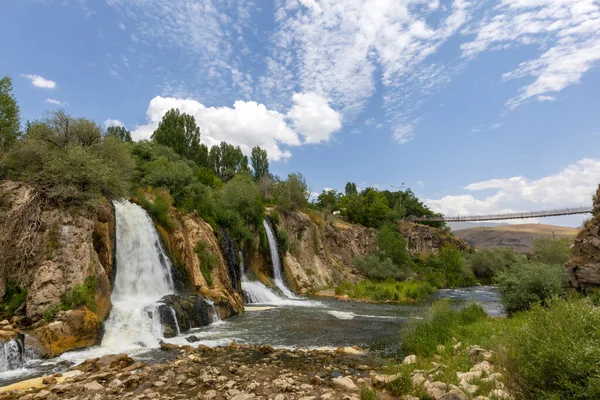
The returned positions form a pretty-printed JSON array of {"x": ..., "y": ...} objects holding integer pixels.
[
  {"x": 487, "y": 128},
  {"x": 404, "y": 133},
  {"x": 55, "y": 102},
  {"x": 566, "y": 31},
  {"x": 369, "y": 121},
  {"x": 421, "y": 184},
  {"x": 546, "y": 98},
  {"x": 40, "y": 82},
  {"x": 122, "y": 26},
  {"x": 113, "y": 122},
  {"x": 247, "y": 124},
  {"x": 571, "y": 187},
  {"x": 312, "y": 117}
]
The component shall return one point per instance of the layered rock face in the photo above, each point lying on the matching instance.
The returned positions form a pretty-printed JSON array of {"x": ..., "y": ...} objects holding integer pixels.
[
  {"x": 181, "y": 243},
  {"x": 583, "y": 270},
  {"x": 49, "y": 251},
  {"x": 425, "y": 239},
  {"x": 320, "y": 253}
]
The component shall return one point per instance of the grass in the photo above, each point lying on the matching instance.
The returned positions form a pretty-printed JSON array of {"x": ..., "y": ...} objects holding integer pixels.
[
  {"x": 14, "y": 297},
  {"x": 389, "y": 290},
  {"x": 549, "y": 352},
  {"x": 207, "y": 260},
  {"x": 79, "y": 296}
]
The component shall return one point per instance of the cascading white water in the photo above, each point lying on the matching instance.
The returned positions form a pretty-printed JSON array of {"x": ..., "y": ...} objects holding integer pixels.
[
  {"x": 12, "y": 355},
  {"x": 256, "y": 292},
  {"x": 277, "y": 265},
  {"x": 143, "y": 278},
  {"x": 215, "y": 316}
]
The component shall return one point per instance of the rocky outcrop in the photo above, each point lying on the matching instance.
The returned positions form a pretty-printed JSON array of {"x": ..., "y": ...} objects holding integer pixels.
[
  {"x": 425, "y": 239},
  {"x": 181, "y": 313},
  {"x": 583, "y": 270},
  {"x": 48, "y": 251},
  {"x": 320, "y": 253},
  {"x": 71, "y": 330},
  {"x": 182, "y": 242}
]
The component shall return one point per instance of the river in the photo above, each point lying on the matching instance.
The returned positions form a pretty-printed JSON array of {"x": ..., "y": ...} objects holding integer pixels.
[{"x": 308, "y": 323}]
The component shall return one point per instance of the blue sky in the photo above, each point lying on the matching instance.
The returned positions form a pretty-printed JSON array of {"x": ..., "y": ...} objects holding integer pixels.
[{"x": 478, "y": 106}]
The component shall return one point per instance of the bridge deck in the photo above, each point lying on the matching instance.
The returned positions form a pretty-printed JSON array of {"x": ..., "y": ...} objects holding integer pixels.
[{"x": 497, "y": 217}]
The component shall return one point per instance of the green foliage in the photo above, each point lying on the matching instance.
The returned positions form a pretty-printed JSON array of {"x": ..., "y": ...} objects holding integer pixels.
[
  {"x": 550, "y": 251},
  {"x": 439, "y": 327},
  {"x": 9, "y": 116},
  {"x": 487, "y": 263},
  {"x": 328, "y": 200},
  {"x": 453, "y": 266},
  {"x": 157, "y": 202},
  {"x": 554, "y": 351},
  {"x": 69, "y": 161},
  {"x": 180, "y": 132},
  {"x": 350, "y": 189},
  {"x": 393, "y": 246},
  {"x": 368, "y": 394},
  {"x": 80, "y": 295},
  {"x": 275, "y": 217},
  {"x": 283, "y": 240},
  {"x": 291, "y": 194},
  {"x": 171, "y": 175},
  {"x": 526, "y": 284},
  {"x": 241, "y": 195},
  {"x": 260, "y": 163},
  {"x": 14, "y": 297},
  {"x": 227, "y": 160},
  {"x": 389, "y": 290},
  {"x": 50, "y": 312},
  {"x": 375, "y": 267},
  {"x": 120, "y": 133},
  {"x": 207, "y": 260}
]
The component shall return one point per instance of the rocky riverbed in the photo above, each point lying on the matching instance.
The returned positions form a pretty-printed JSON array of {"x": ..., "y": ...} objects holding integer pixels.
[{"x": 235, "y": 371}]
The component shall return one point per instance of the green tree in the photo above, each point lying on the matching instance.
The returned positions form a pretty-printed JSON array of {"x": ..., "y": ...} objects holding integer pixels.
[
  {"x": 328, "y": 199},
  {"x": 293, "y": 193},
  {"x": 260, "y": 163},
  {"x": 60, "y": 130},
  {"x": 227, "y": 160},
  {"x": 180, "y": 132},
  {"x": 9, "y": 115},
  {"x": 119, "y": 132},
  {"x": 350, "y": 189},
  {"x": 392, "y": 245},
  {"x": 550, "y": 251}
]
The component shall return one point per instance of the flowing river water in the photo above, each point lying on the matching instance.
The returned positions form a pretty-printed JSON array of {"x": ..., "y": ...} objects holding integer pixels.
[{"x": 274, "y": 317}]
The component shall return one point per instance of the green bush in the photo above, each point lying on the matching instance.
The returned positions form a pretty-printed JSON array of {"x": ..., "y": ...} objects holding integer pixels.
[
  {"x": 389, "y": 290},
  {"x": 283, "y": 240},
  {"x": 207, "y": 260},
  {"x": 550, "y": 251},
  {"x": 424, "y": 336},
  {"x": 373, "y": 266},
  {"x": 486, "y": 263},
  {"x": 393, "y": 246},
  {"x": 526, "y": 284},
  {"x": 554, "y": 351},
  {"x": 157, "y": 203},
  {"x": 14, "y": 297},
  {"x": 80, "y": 295}
]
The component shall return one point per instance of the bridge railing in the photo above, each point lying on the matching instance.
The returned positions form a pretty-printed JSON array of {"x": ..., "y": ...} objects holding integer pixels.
[{"x": 497, "y": 217}]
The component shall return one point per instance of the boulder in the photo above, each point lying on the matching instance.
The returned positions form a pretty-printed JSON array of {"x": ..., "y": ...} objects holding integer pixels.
[
  {"x": 454, "y": 394},
  {"x": 411, "y": 359},
  {"x": 73, "y": 329},
  {"x": 345, "y": 383}
]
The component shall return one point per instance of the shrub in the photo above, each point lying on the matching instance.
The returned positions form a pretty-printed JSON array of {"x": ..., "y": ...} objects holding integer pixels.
[
  {"x": 283, "y": 240},
  {"x": 550, "y": 251},
  {"x": 389, "y": 290},
  {"x": 14, "y": 297},
  {"x": 157, "y": 203},
  {"x": 424, "y": 336},
  {"x": 526, "y": 284},
  {"x": 554, "y": 351},
  {"x": 80, "y": 295},
  {"x": 207, "y": 260},
  {"x": 393, "y": 246},
  {"x": 486, "y": 263},
  {"x": 373, "y": 266}
]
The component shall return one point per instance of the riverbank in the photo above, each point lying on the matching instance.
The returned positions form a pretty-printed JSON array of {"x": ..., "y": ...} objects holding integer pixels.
[{"x": 236, "y": 371}]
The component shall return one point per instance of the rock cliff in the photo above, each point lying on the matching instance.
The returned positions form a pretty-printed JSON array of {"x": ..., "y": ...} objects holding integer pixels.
[
  {"x": 425, "y": 239},
  {"x": 48, "y": 251},
  {"x": 320, "y": 252},
  {"x": 583, "y": 270}
]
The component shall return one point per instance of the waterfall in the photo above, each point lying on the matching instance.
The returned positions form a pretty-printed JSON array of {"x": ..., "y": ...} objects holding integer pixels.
[
  {"x": 143, "y": 278},
  {"x": 214, "y": 314},
  {"x": 276, "y": 260},
  {"x": 12, "y": 355},
  {"x": 256, "y": 292}
]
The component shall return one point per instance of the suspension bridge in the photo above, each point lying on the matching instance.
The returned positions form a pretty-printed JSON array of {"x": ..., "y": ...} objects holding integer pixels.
[{"x": 498, "y": 217}]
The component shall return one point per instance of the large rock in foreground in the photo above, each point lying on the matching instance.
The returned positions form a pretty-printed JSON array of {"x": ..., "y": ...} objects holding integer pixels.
[{"x": 583, "y": 270}]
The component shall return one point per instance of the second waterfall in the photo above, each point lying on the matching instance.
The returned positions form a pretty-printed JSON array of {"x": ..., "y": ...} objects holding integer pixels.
[{"x": 276, "y": 260}]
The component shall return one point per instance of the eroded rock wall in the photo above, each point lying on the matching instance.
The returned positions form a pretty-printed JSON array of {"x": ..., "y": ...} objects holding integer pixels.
[
  {"x": 50, "y": 250},
  {"x": 320, "y": 252},
  {"x": 425, "y": 239},
  {"x": 583, "y": 270}
]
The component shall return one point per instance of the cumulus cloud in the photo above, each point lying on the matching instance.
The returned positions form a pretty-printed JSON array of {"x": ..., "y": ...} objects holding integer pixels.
[
  {"x": 113, "y": 122},
  {"x": 312, "y": 117},
  {"x": 249, "y": 123},
  {"x": 55, "y": 102},
  {"x": 571, "y": 187},
  {"x": 40, "y": 82}
]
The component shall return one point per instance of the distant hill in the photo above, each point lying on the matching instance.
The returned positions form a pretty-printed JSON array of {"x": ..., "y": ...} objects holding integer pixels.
[
  {"x": 456, "y": 226},
  {"x": 518, "y": 237}
]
